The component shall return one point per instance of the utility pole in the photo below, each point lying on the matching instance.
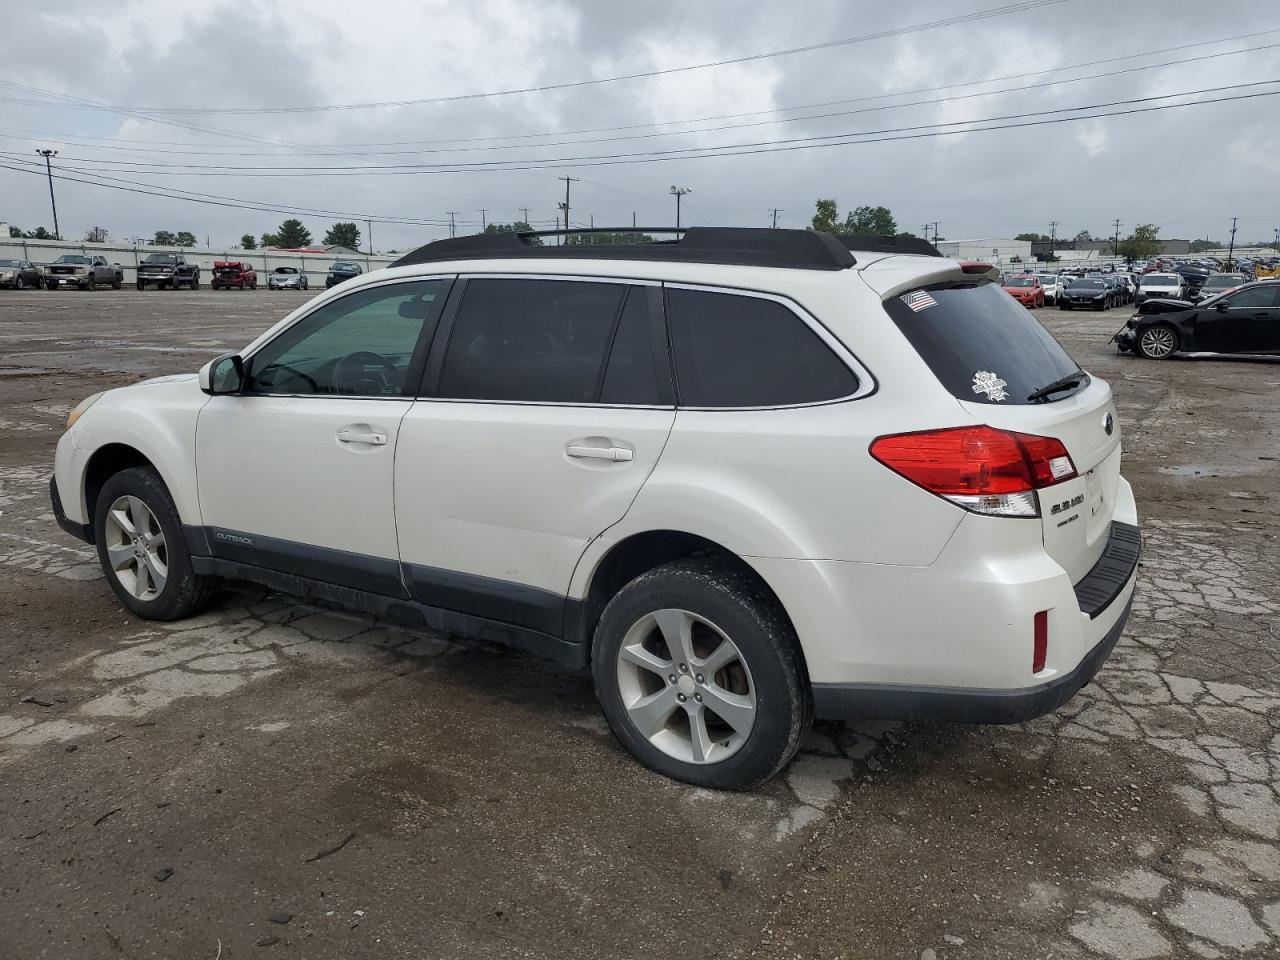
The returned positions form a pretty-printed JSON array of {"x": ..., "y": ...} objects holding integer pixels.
[
  {"x": 451, "y": 226},
  {"x": 525, "y": 211},
  {"x": 925, "y": 231},
  {"x": 1276, "y": 242},
  {"x": 369, "y": 224},
  {"x": 1232, "y": 248},
  {"x": 484, "y": 225},
  {"x": 1115, "y": 239},
  {"x": 633, "y": 219},
  {"x": 776, "y": 211},
  {"x": 1053, "y": 234},
  {"x": 567, "y": 181},
  {"x": 48, "y": 168},
  {"x": 563, "y": 239},
  {"x": 679, "y": 192}
]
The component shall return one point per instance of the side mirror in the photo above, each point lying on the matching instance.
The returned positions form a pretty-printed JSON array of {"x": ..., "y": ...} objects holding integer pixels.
[
  {"x": 222, "y": 376},
  {"x": 1222, "y": 306}
]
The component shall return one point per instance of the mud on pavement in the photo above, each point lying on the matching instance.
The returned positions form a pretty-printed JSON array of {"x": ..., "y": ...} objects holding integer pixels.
[{"x": 274, "y": 776}]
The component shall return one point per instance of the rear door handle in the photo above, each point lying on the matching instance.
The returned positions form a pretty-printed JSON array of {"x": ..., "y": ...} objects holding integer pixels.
[
  {"x": 614, "y": 454},
  {"x": 354, "y": 436}
]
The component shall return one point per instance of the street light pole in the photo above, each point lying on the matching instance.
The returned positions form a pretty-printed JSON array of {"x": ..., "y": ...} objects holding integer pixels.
[
  {"x": 679, "y": 192},
  {"x": 48, "y": 168},
  {"x": 1232, "y": 248}
]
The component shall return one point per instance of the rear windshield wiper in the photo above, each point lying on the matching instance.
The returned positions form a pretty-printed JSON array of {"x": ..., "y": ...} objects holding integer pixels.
[{"x": 1062, "y": 383}]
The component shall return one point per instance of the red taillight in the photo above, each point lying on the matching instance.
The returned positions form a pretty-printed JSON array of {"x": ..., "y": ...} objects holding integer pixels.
[
  {"x": 980, "y": 468},
  {"x": 1040, "y": 641}
]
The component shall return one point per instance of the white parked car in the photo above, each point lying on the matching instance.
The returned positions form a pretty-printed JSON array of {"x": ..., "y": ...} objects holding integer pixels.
[
  {"x": 1053, "y": 286},
  {"x": 1170, "y": 286},
  {"x": 747, "y": 478}
]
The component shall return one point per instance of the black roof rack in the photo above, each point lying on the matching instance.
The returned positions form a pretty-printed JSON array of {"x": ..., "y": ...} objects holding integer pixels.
[
  {"x": 912, "y": 245},
  {"x": 743, "y": 246}
]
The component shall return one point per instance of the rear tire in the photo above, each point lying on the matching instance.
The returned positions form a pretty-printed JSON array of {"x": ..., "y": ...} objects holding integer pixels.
[
  {"x": 651, "y": 694},
  {"x": 149, "y": 569},
  {"x": 195, "y": 283}
]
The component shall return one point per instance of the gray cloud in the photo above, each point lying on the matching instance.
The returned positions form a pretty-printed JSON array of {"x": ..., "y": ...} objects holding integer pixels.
[{"x": 1188, "y": 170}]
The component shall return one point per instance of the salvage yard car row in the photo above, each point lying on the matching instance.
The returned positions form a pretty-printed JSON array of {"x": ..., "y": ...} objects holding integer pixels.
[{"x": 163, "y": 271}]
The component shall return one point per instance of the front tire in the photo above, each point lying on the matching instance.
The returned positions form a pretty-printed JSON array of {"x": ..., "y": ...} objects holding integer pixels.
[
  {"x": 195, "y": 283},
  {"x": 700, "y": 675},
  {"x": 142, "y": 550},
  {"x": 140, "y": 285},
  {"x": 1157, "y": 342}
]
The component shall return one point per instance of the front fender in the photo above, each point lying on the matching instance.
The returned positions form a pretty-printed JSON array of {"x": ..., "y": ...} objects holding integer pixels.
[{"x": 156, "y": 418}]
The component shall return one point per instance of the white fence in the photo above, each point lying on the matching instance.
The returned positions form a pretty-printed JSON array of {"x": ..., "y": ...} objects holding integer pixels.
[{"x": 314, "y": 265}]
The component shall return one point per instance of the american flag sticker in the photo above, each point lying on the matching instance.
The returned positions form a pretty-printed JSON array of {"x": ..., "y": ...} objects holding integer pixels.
[{"x": 918, "y": 300}]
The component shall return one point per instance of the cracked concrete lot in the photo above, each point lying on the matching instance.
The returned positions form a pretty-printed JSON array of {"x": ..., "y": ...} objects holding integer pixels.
[{"x": 331, "y": 786}]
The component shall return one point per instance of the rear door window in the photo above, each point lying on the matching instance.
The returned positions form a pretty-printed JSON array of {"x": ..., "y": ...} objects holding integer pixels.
[
  {"x": 981, "y": 344},
  {"x": 735, "y": 350},
  {"x": 530, "y": 340}
]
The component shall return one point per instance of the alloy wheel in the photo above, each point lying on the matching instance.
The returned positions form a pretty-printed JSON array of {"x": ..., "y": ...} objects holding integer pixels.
[
  {"x": 1158, "y": 342},
  {"x": 686, "y": 687},
  {"x": 136, "y": 548}
]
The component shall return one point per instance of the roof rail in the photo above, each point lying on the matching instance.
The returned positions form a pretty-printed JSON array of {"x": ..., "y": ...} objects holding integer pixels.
[
  {"x": 885, "y": 244},
  {"x": 742, "y": 246}
]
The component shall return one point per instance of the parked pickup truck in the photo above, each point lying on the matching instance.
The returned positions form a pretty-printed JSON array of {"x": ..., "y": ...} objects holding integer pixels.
[
  {"x": 84, "y": 272},
  {"x": 168, "y": 270}
]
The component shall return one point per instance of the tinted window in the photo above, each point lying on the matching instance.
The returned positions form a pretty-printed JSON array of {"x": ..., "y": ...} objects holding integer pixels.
[
  {"x": 972, "y": 336},
  {"x": 743, "y": 351},
  {"x": 633, "y": 375},
  {"x": 1254, "y": 298},
  {"x": 357, "y": 345},
  {"x": 533, "y": 340}
]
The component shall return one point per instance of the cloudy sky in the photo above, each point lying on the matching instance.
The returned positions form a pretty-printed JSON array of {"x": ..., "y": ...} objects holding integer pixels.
[{"x": 136, "y": 95}]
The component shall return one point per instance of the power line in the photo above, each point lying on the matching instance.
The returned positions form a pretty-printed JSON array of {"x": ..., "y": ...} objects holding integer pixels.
[
  {"x": 308, "y": 149},
  {"x": 1023, "y": 6},
  {"x": 701, "y": 130},
  {"x": 727, "y": 150}
]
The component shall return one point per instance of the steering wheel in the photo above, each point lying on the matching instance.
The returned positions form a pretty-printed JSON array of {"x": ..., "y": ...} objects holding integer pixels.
[{"x": 354, "y": 369}]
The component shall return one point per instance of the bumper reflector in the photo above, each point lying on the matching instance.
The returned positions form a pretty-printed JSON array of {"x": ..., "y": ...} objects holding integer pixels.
[{"x": 1040, "y": 642}]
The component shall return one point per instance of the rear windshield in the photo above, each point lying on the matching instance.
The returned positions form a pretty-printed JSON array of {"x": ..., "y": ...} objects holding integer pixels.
[
  {"x": 1019, "y": 282},
  {"x": 1161, "y": 279},
  {"x": 981, "y": 344}
]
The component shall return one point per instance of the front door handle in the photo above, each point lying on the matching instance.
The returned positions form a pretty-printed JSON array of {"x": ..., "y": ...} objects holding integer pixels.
[
  {"x": 613, "y": 454},
  {"x": 356, "y": 436}
]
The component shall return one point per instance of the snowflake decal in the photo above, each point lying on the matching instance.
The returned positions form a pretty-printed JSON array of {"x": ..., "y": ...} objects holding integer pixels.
[{"x": 984, "y": 381}]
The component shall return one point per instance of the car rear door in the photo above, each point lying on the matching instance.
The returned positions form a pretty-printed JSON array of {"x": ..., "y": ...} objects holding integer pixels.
[
  {"x": 546, "y": 403},
  {"x": 295, "y": 473}
]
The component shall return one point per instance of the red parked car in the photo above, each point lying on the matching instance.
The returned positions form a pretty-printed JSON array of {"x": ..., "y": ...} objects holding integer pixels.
[
  {"x": 1027, "y": 290},
  {"x": 233, "y": 273}
]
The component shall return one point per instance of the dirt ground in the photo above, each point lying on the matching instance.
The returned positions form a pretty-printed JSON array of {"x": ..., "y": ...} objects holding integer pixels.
[{"x": 274, "y": 777}]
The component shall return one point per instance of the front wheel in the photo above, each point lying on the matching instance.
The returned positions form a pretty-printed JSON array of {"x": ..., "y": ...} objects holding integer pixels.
[
  {"x": 195, "y": 283},
  {"x": 700, "y": 676},
  {"x": 140, "y": 285},
  {"x": 1158, "y": 342},
  {"x": 142, "y": 549},
  {"x": 117, "y": 283}
]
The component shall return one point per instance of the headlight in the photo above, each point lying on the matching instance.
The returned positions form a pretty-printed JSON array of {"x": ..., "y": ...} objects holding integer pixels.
[{"x": 81, "y": 407}]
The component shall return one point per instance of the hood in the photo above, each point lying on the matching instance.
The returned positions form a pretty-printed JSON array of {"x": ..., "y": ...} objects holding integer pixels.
[
  {"x": 169, "y": 378},
  {"x": 1162, "y": 305}
]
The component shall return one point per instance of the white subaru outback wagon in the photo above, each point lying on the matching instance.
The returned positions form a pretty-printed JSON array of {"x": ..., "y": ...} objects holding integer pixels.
[{"x": 747, "y": 477}]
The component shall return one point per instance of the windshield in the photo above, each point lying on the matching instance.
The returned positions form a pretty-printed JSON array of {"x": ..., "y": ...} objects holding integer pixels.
[
  {"x": 285, "y": 270},
  {"x": 71, "y": 258},
  {"x": 972, "y": 335},
  {"x": 1161, "y": 280},
  {"x": 161, "y": 258},
  {"x": 1087, "y": 285},
  {"x": 1048, "y": 278},
  {"x": 1220, "y": 281},
  {"x": 9, "y": 263},
  {"x": 345, "y": 267},
  {"x": 1019, "y": 282}
]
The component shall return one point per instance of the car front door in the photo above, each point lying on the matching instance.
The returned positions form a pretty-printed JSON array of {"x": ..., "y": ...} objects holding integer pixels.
[
  {"x": 295, "y": 472},
  {"x": 1252, "y": 320},
  {"x": 545, "y": 406}
]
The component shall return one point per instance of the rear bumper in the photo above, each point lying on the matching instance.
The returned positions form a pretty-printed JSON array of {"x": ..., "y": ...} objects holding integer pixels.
[
  {"x": 852, "y": 701},
  {"x": 953, "y": 640}
]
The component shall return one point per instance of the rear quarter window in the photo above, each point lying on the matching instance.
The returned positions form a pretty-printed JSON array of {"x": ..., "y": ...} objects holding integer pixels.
[
  {"x": 971, "y": 336},
  {"x": 738, "y": 350}
]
